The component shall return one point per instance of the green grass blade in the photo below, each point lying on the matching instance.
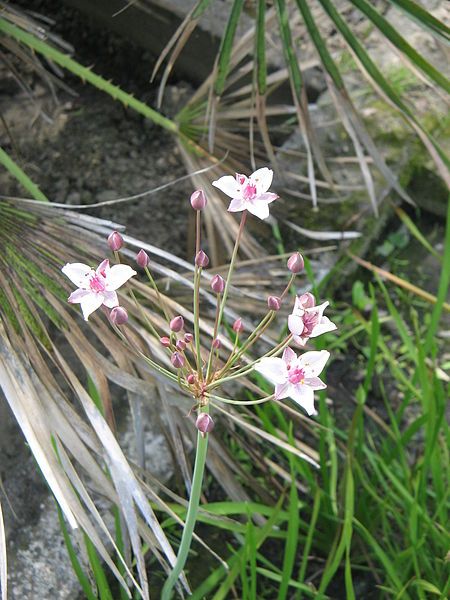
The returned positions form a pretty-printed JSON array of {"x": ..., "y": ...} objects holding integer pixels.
[
  {"x": 415, "y": 231},
  {"x": 424, "y": 18},
  {"x": 260, "y": 52},
  {"x": 309, "y": 538},
  {"x": 226, "y": 46},
  {"x": 385, "y": 560},
  {"x": 444, "y": 283},
  {"x": 99, "y": 573},
  {"x": 20, "y": 175},
  {"x": 347, "y": 530},
  {"x": 200, "y": 8},
  {"x": 290, "y": 548},
  {"x": 291, "y": 583},
  {"x": 401, "y": 44},
  {"x": 319, "y": 43},
  {"x": 76, "y": 566}
]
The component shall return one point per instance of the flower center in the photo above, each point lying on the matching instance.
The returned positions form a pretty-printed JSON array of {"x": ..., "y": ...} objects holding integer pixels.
[
  {"x": 249, "y": 192},
  {"x": 96, "y": 283},
  {"x": 310, "y": 320},
  {"x": 296, "y": 375}
]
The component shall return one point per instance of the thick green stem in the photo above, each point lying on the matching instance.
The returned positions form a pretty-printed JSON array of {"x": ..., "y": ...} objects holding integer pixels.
[
  {"x": 86, "y": 74},
  {"x": 21, "y": 176},
  {"x": 191, "y": 517}
]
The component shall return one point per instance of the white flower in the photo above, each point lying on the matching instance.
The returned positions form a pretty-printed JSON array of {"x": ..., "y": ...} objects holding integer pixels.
[
  {"x": 308, "y": 320},
  {"x": 249, "y": 193},
  {"x": 96, "y": 287},
  {"x": 295, "y": 376}
]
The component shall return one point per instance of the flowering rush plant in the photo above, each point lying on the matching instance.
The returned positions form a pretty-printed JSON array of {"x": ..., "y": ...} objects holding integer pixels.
[{"x": 200, "y": 371}]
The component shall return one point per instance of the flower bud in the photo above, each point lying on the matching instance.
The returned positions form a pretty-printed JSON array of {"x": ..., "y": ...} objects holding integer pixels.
[
  {"x": 204, "y": 423},
  {"x": 201, "y": 259},
  {"x": 216, "y": 343},
  {"x": 118, "y": 315},
  {"x": 198, "y": 200},
  {"x": 180, "y": 345},
  {"x": 190, "y": 378},
  {"x": 177, "y": 323},
  {"x": 307, "y": 300},
  {"x": 115, "y": 241},
  {"x": 237, "y": 326},
  {"x": 295, "y": 264},
  {"x": 165, "y": 341},
  {"x": 177, "y": 360},
  {"x": 274, "y": 303},
  {"x": 188, "y": 337},
  {"x": 142, "y": 258},
  {"x": 217, "y": 284}
]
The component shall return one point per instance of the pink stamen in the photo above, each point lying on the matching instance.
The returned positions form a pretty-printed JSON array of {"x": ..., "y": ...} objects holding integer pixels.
[
  {"x": 96, "y": 284},
  {"x": 296, "y": 376},
  {"x": 310, "y": 320},
  {"x": 249, "y": 192}
]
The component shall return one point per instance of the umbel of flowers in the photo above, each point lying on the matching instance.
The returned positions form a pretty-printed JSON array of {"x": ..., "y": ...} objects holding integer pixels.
[{"x": 201, "y": 373}]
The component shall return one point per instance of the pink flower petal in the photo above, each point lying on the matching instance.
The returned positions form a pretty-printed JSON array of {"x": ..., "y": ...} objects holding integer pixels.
[
  {"x": 236, "y": 205},
  {"x": 315, "y": 383},
  {"x": 90, "y": 303},
  {"x": 78, "y": 295},
  {"x": 262, "y": 178},
  {"x": 273, "y": 369},
  {"x": 117, "y": 276},
  {"x": 313, "y": 362},
  {"x": 259, "y": 209},
  {"x": 289, "y": 355},
  {"x": 304, "y": 395},
  {"x": 298, "y": 307},
  {"x": 298, "y": 339},
  {"x": 295, "y": 324},
  {"x": 110, "y": 299},
  {"x": 267, "y": 197},
  {"x": 103, "y": 268},
  {"x": 78, "y": 273},
  {"x": 324, "y": 326},
  {"x": 282, "y": 390},
  {"x": 228, "y": 185}
]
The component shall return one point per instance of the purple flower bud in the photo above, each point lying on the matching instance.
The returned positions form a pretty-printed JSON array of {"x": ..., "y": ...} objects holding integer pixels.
[
  {"x": 177, "y": 323},
  {"x": 237, "y": 326},
  {"x": 307, "y": 300},
  {"x": 217, "y": 284},
  {"x": 295, "y": 264},
  {"x": 216, "y": 343},
  {"x": 118, "y": 315},
  {"x": 274, "y": 303},
  {"x": 201, "y": 260},
  {"x": 165, "y": 341},
  {"x": 115, "y": 241},
  {"x": 204, "y": 423},
  {"x": 188, "y": 337},
  {"x": 180, "y": 345},
  {"x": 177, "y": 360},
  {"x": 191, "y": 378},
  {"x": 142, "y": 258},
  {"x": 198, "y": 200}
]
